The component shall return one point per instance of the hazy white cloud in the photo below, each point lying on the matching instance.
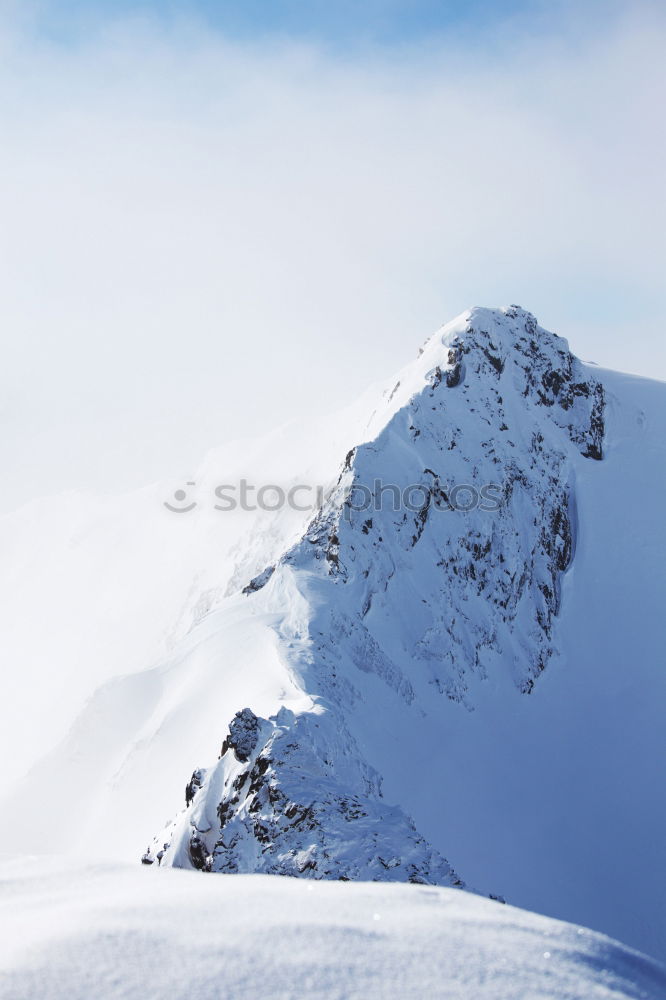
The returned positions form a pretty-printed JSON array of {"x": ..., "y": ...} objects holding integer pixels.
[{"x": 200, "y": 237}]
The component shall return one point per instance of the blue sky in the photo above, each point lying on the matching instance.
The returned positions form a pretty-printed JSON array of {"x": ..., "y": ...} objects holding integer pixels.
[{"x": 341, "y": 24}]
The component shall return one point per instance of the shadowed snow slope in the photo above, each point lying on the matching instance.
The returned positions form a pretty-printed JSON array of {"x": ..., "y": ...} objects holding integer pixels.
[
  {"x": 394, "y": 685},
  {"x": 137, "y": 934}
]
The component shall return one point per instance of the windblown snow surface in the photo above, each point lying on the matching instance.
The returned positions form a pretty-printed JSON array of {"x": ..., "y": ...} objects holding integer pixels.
[
  {"x": 74, "y": 933},
  {"x": 423, "y": 694}
]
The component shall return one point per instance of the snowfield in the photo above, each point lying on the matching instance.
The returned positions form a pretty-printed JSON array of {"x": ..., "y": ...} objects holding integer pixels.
[{"x": 77, "y": 933}]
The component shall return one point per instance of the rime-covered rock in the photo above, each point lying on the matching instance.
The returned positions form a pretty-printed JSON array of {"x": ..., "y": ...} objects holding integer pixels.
[
  {"x": 302, "y": 803},
  {"x": 243, "y": 734}
]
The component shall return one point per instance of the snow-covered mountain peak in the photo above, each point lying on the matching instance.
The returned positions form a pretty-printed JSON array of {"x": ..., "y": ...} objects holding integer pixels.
[
  {"x": 505, "y": 361},
  {"x": 435, "y": 565}
]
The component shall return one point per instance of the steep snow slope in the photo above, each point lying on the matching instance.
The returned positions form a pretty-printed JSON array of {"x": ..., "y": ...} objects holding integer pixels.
[
  {"x": 73, "y": 934},
  {"x": 458, "y": 661}
]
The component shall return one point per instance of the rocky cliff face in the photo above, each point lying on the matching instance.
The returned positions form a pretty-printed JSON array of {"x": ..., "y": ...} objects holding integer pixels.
[{"x": 435, "y": 563}]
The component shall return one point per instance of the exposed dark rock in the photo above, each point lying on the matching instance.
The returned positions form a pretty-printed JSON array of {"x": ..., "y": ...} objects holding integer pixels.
[
  {"x": 193, "y": 786},
  {"x": 259, "y": 581},
  {"x": 198, "y": 853},
  {"x": 243, "y": 735},
  {"x": 455, "y": 373}
]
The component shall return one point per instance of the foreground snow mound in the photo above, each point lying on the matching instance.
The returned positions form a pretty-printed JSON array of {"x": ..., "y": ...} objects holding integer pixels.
[
  {"x": 398, "y": 578},
  {"x": 74, "y": 934}
]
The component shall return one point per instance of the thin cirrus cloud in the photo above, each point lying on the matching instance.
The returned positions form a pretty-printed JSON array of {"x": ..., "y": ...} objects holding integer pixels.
[{"x": 204, "y": 234}]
